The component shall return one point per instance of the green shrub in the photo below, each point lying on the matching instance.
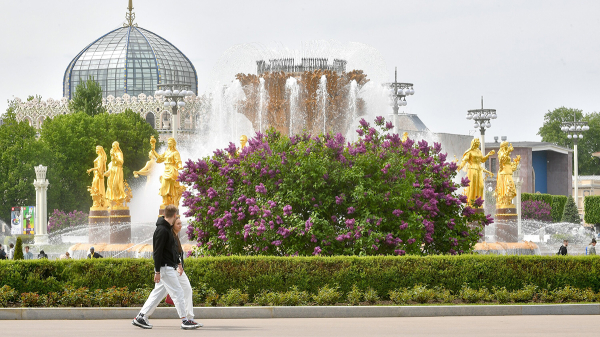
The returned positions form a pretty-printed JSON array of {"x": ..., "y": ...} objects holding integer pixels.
[
  {"x": 526, "y": 294},
  {"x": 421, "y": 294},
  {"x": 32, "y": 300},
  {"x": 234, "y": 297},
  {"x": 327, "y": 295},
  {"x": 570, "y": 213},
  {"x": 212, "y": 297},
  {"x": 469, "y": 295},
  {"x": 591, "y": 205},
  {"x": 140, "y": 295},
  {"x": 7, "y": 295},
  {"x": 400, "y": 296},
  {"x": 269, "y": 298},
  {"x": 295, "y": 297},
  {"x": 444, "y": 295},
  {"x": 52, "y": 299},
  {"x": 371, "y": 295},
  {"x": 19, "y": 249},
  {"x": 355, "y": 295},
  {"x": 76, "y": 297},
  {"x": 501, "y": 295},
  {"x": 558, "y": 206}
]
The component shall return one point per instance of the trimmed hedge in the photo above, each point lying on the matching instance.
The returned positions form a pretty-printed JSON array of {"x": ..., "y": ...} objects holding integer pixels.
[
  {"x": 558, "y": 206},
  {"x": 591, "y": 204},
  {"x": 255, "y": 274},
  {"x": 557, "y": 202}
]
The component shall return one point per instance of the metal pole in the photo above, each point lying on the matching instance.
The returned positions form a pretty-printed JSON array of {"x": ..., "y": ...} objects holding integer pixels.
[
  {"x": 174, "y": 113},
  {"x": 576, "y": 177}
]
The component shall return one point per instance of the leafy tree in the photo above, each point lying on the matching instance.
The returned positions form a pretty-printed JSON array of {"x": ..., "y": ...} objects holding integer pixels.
[
  {"x": 20, "y": 153},
  {"x": 570, "y": 214},
  {"x": 73, "y": 139},
  {"x": 87, "y": 98},
  {"x": 19, "y": 249},
  {"x": 590, "y": 143}
]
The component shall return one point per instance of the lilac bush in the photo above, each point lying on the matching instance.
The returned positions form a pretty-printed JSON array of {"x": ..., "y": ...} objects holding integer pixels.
[
  {"x": 536, "y": 210},
  {"x": 319, "y": 195},
  {"x": 60, "y": 220}
]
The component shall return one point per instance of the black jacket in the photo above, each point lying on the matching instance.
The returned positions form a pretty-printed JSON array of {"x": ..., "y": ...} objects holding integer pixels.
[
  {"x": 2, "y": 254},
  {"x": 95, "y": 256},
  {"x": 562, "y": 250},
  {"x": 164, "y": 247}
]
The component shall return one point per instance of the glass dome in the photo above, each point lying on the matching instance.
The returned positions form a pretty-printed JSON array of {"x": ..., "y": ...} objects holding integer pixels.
[{"x": 130, "y": 60}]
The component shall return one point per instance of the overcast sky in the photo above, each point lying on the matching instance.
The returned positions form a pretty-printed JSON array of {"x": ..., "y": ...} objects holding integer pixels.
[{"x": 524, "y": 57}]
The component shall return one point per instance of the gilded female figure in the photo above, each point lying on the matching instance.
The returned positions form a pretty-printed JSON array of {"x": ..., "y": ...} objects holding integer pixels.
[
  {"x": 505, "y": 185},
  {"x": 170, "y": 189},
  {"x": 475, "y": 172},
  {"x": 97, "y": 189},
  {"x": 115, "y": 190}
]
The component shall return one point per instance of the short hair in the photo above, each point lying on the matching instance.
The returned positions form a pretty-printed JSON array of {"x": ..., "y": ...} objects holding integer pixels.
[
  {"x": 27, "y": 247},
  {"x": 11, "y": 245},
  {"x": 170, "y": 211},
  {"x": 565, "y": 240}
]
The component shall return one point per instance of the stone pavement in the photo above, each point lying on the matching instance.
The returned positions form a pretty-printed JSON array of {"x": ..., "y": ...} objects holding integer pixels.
[{"x": 464, "y": 326}]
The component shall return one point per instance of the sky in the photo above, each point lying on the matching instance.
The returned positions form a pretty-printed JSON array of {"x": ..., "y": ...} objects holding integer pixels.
[{"x": 524, "y": 57}]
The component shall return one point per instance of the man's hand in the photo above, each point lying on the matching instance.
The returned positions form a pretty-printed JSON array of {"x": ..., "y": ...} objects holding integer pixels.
[
  {"x": 180, "y": 269},
  {"x": 156, "y": 277}
]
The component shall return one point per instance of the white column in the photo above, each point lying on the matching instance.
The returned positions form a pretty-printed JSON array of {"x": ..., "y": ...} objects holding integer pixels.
[
  {"x": 41, "y": 205},
  {"x": 518, "y": 182}
]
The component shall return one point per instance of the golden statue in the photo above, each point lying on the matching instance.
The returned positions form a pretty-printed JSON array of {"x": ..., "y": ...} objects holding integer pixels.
[
  {"x": 505, "y": 185},
  {"x": 115, "y": 190},
  {"x": 243, "y": 142},
  {"x": 147, "y": 169},
  {"x": 404, "y": 137},
  {"x": 170, "y": 189},
  {"x": 97, "y": 189},
  {"x": 475, "y": 159}
]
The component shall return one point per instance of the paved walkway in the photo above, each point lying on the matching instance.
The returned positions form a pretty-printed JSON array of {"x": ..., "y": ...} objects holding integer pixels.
[{"x": 546, "y": 326}]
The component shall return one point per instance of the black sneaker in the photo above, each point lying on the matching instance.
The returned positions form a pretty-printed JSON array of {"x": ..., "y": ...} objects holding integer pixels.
[
  {"x": 142, "y": 322},
  {"x": 198, "y": 325},
  {"x": 187, "y": 325}
]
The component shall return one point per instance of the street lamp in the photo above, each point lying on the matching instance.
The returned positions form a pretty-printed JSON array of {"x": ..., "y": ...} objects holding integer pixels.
[
  {"x": 482, "y": 119},
  {"x": 174, "y": 94},
  {"x": 399, "y": 92},
  {"x": 575, "y": 131}
]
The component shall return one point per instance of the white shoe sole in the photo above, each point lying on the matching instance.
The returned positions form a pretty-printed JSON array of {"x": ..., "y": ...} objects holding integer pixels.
[{"x": 134, "y": 322}]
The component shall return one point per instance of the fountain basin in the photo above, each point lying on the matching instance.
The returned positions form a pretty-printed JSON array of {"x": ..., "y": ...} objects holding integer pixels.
[
  {"x": 125, "y": 250},
  {"x": 507, "y": 248}
]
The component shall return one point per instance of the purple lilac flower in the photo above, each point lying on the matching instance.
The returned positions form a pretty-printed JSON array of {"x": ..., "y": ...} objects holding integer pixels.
[
  {"x": 397, "y": 212},
  {"x": 287, "y": 210},
  {"x": 317, "y": 250},
  {"x": 350, "y": 210}
]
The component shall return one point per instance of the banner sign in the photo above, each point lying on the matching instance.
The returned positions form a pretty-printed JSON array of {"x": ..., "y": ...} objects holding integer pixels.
[
  {"x": 28, "y": 219},
  {"x": 16, "y": 221}
]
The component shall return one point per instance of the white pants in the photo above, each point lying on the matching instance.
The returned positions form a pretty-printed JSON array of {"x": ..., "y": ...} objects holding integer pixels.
[{"x": 178, "y": 287}]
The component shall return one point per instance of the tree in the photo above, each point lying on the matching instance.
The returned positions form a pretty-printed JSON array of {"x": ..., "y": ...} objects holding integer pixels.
[
  {"x": 87, "y": 98},
  {"x": 590, "y": 143},
  {"x": 73, "y": 139},
  {"x": 19, "y": 249},
  {"x": 570, "y": 213},
  {"x": 20, "y": 153}
]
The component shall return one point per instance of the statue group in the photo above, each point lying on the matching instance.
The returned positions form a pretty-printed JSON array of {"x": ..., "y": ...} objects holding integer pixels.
[
  {"x": 505, "y": 185},
  {"x": 117, "y": 192}
]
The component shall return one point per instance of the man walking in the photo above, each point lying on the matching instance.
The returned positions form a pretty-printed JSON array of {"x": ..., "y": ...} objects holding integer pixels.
[
  {"x": 93, "y": 254},
  {"x": 11, "y": 251},
  {"x": 166, "y": 259},
  {"x": 2, "y": 253}
]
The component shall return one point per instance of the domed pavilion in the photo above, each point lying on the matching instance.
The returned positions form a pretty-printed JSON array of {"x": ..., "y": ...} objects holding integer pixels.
[{"x": 130, "y": 60}]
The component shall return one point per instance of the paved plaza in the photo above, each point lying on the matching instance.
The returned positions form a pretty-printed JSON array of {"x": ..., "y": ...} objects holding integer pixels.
[{"x": 546, "y": 326}]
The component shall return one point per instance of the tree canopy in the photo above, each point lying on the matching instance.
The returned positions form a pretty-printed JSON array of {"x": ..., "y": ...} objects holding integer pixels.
[
  {"x": 590, "y": 143},
  {"x": 87, "y": 98},
  {"x": 67, "y": 146}
]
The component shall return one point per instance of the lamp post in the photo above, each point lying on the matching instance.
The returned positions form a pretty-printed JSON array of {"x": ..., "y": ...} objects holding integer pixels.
[
  {"x": 399, "y": 92},
  {"x": 482, "y": 119},
  {"x": 174, "y": 94},
  {"x": 575, "y": 131}
]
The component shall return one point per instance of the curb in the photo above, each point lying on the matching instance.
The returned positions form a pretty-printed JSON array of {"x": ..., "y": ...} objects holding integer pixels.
[{"x": 303, "y": 312}]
